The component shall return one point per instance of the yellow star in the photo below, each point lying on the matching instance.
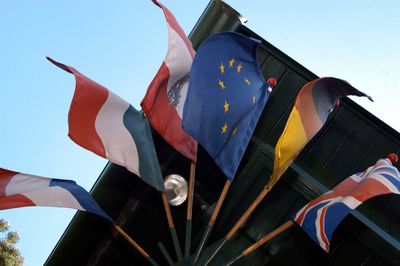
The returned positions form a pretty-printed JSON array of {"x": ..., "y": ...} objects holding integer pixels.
[
  {"x": 222, "y": 68},
  {"x": 239, "y": 67},
  {"x": 231, "y": 62},
  {"x": 226, "y": 107},
  {"x": 221, "y": 84},
  {"x": 234, "y": 131},
  {"x": 224, "y": 128},
  {"x": 254, "y": 98},
  {"x": 247, "y": 81}
]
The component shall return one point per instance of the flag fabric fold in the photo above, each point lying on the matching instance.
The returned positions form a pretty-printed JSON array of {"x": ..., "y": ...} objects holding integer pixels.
[
  {"x": 320, "y": 217},
  {"x": 23, "y": 190},
  {"x": 107, "y": 125},
  {"x": 226, "y": 96},
  {"x": 166, "y": 94},
  {"x": 313, "y": 104}
]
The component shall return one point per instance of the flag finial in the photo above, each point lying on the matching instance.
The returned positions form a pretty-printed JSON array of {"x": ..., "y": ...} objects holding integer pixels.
[
  {"x": 393, "y": 157},
  {"x": 272, "y": 82}
]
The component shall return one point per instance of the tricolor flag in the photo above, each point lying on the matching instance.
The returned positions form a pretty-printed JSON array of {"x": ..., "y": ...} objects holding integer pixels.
[
  {"x": 165, "y": 97},
  {"x": 23, "y": 190},
  {"x": 313, "y": 104},
  {"x": 107, "y": 125},
  {"x": 320, "y": 217}
]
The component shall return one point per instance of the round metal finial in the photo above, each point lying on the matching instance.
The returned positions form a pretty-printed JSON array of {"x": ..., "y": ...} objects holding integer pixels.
[
  {"x": 176, "y": 189},
  {"x": 393, "y": 157},
  {"x": 272, "y": 82}
]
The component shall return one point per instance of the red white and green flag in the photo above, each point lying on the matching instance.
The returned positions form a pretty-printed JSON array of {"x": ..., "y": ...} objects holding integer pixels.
[{"x": 107, "y": 125}]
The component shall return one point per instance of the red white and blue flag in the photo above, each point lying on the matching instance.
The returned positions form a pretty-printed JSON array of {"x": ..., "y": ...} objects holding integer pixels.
[
  {"x": 165, "y": 97},
  {"x": 23, "y": 190},
  {"x": 320, "y": 217},
  {"x": 107, "y": 125}
]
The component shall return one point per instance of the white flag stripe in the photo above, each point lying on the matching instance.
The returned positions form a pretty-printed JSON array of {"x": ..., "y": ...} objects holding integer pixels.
[
  {"x": 179, "y": 62},
  {"x": 54, "y": 196},
  {"x": 300, "y": 212},
  {"x": 350, "y": 201},
  {"x": 357, "y": 178},
  {"x": 21, "y": 183},
  {"x": 384, "y": 181},
  {"x": 119, "y": 144}
]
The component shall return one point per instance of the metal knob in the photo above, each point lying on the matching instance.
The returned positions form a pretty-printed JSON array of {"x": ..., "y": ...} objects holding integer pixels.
[{"x": 176, "y": 189}]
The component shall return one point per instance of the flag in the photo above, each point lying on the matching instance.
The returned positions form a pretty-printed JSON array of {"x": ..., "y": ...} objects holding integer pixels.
[
  {"x": 23, "y": 190},
  {"x": 320, "y": 217},
  {"x": 164, "y": 99},
  {"x": 313, "y": 104},
  {"x": 107, "y": 125},
  {"x": 226, "y": 96}
]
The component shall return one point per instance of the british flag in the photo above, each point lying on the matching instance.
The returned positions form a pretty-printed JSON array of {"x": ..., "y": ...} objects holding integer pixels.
[{"x": 321, "y": 216}]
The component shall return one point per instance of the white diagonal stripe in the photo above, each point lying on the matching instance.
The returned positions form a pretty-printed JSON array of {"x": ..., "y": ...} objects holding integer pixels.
[{"x": 119, "y": 144}]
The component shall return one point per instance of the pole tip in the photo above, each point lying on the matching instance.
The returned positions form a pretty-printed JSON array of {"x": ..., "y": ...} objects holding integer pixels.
[
  {"x": 272, "y": 82},
  {"x": 393, "y": 157}
]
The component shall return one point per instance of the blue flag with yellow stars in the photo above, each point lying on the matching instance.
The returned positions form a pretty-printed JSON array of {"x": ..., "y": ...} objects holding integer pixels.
[{"x": 226, "y": 96}]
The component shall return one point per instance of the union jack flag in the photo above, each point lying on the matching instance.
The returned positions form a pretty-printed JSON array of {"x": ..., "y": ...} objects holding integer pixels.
[{"x": 321, "y": 216}]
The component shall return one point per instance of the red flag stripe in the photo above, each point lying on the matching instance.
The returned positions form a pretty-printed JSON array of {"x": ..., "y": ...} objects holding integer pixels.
[
  {"x": 15, "y": 201},
  {"x": 5, "y": 177},
  {"x": 165, "y": 117},
  {"x": 321, "y": 234},
  {"x": 306, "y": 108},
  {"x": 88, "y": 99},
  {"x": 160, "y": 111},
  {"x": 82, "y": 128}
]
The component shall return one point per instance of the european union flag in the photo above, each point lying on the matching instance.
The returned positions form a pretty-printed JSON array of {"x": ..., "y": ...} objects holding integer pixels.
[{"x": 226, "y": 96}]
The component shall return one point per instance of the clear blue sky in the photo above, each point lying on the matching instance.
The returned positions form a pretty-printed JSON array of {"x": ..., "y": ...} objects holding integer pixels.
[{"x": 121, "y": 45}]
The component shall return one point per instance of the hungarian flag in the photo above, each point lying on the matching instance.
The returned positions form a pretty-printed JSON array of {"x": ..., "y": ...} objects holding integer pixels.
[
  {"x": 107, "y": 125},
  {"x": 23, "y": 190},
  {"x": 320, "y": 217},
  {"x": 165, "y": 97},
  {"x": 313, "y": 104}
]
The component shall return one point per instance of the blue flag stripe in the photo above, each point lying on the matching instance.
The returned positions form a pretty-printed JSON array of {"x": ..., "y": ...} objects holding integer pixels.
[{"x": 82, "y": 196}]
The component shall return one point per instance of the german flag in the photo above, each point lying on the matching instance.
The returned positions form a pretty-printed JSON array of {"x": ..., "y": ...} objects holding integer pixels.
[{"x": 313, "y": 104}]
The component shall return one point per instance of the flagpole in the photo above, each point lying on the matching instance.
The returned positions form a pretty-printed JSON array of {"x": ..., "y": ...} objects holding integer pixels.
[
  {"x": 188, "y": 235},
  {"x": 214, "y": 215},
  {"x": 172, "y": 227},
  {"x": 135, "y": 245},
  {"x": 262, "y": 241},
  {"x": 165, "y": 253},
  {"x": 242, "y": 220}
]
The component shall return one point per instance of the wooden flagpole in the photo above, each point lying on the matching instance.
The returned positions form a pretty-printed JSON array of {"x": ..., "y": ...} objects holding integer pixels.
[
  {"x": 214, "y": 215},
  {"x": 188, "y": 235},
  {"x": 172, "y": 227},
  {"x": 241, "y": 221},
  {"x": 135, "y": 245},
  {"x": 262, "y": 241}
]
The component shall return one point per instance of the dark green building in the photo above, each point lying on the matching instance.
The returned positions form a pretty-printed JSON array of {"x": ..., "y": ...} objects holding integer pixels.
[{"x": 351, "y": 140}]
